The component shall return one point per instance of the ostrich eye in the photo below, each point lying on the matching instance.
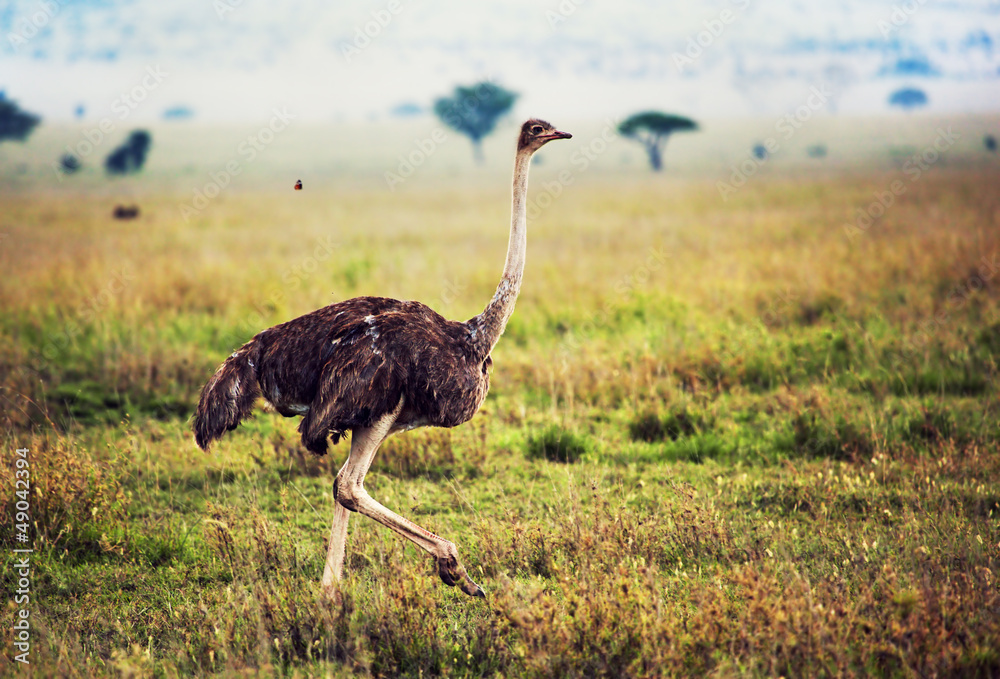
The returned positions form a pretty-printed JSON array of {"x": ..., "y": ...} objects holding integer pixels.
[{"x": 537, "y": 129}]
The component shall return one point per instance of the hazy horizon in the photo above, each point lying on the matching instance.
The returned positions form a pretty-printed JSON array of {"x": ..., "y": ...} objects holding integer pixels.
[{"x": 230, "y": 60}]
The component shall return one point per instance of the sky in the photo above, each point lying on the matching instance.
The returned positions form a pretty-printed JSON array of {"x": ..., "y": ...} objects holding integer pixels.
[{"x": 235, "y": 60}]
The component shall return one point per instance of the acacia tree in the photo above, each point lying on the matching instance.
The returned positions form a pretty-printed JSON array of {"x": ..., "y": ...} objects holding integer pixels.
[
  {"x": 15, "y": 124},
  {"x": 908, "y": 98},
  {"x": 652, "y": 129},
  {"x": 474, "y": 111},
  {"x": 131, "y": 155}
]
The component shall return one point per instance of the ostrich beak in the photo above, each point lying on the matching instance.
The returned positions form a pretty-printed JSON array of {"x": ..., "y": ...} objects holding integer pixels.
[{"x": 559, "y": 135}]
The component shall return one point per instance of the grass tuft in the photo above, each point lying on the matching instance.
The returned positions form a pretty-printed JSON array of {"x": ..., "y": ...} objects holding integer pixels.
[
  {"x": 557, "y": 444},
  {"x": 677, "y": 423},
  {"x": 77, "y": 504}
]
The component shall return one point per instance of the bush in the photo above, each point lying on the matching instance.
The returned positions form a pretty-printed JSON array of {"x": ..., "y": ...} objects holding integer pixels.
[
  {"x": 76, "y": 502},
  {"x": 647, "y": 427},
  {"x": 557, "y": 445},
  {"x": 836, "y": 439},
  {"x": 651, "y": 428},
  {"x": 932, "y": 425},
  {"x": 131, "y": 155}
]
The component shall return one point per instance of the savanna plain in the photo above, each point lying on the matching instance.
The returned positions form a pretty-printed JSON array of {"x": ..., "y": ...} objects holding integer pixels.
[{"x": 751, "y": 434}]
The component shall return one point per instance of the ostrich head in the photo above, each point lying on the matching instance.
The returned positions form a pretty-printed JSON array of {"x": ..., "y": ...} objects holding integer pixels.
[{"x": 536, "y": 133}]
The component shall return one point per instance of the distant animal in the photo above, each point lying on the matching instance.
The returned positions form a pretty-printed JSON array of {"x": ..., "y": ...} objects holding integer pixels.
[
  {"x": 69, "y": 163},
  {"x": 376, "y": 366},
  {"x": 298, "y": 185},
  {"x": 123, "y": 212}
]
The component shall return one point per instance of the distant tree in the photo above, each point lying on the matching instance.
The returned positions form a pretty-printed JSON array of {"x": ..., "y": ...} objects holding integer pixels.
[
  {"x": 652, "y": 129},
  {"x": 816, "y": 151},
  {"x": 407, "y": 109},
  {"x": 69, "y": 163},
  {"x": 990, "y": 142},
  {"x": 918, "y": 66},
  {"x": 131, "y": 155},
  {"x": 908, "y": 98},
  {"x": 474, "y": 111},
  {"x": 15, "y": 124},
  {"x": 178, "y": 113},
  {"x": 760, "y": 152}
]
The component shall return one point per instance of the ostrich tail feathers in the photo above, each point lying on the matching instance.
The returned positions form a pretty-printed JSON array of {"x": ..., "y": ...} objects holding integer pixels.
[{"x": 228, "y": 398}]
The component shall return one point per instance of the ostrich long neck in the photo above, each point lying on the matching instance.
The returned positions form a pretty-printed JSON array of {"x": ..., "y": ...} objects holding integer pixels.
[{"x": 489, "y": 325}]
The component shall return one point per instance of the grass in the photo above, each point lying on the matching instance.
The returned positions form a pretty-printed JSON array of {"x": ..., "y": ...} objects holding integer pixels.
[
  {"x": 556, "y": 444},
  {"x": 723, "y": 438}
]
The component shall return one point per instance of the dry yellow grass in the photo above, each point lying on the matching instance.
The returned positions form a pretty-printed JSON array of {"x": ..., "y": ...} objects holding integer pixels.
[{"x": 781, "y": 438}]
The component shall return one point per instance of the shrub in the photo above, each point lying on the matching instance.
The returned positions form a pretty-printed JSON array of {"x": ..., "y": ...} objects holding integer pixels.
[
  {"x": 824, "y": 306},
  {"x": 647, "y": 427},
  {"x": 650, "y": 427},
  {"x": 932, "y": 425},
  {"x": 557, "y": 445},
  {"x": 76, "y": 502},
  {"x": 836, "y": 439}
]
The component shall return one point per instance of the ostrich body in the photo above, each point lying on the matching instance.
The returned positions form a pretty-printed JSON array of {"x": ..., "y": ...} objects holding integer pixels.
[{"x": 375, "y": 366}]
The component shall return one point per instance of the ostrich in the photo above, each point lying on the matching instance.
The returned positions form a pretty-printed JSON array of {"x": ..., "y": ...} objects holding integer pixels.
[{"x": 375, "y": 366}]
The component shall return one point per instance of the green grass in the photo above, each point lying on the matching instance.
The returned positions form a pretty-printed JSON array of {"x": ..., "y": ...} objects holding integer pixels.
[
  {"x": 772, "y": 455},
  {"x": 557, "y": 444}
]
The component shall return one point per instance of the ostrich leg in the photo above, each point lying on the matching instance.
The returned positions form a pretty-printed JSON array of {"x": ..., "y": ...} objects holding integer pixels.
[
  {"x": 351, "y": 495},
  {"x": 335, "y": 552}
]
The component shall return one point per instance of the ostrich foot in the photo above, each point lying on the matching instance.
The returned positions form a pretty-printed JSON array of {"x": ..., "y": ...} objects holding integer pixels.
[{"x": 333, "y": 595}]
